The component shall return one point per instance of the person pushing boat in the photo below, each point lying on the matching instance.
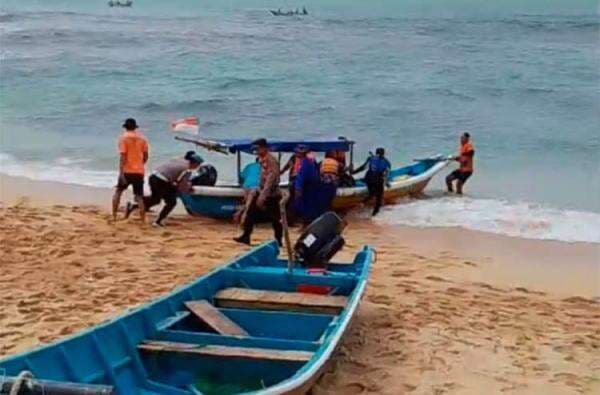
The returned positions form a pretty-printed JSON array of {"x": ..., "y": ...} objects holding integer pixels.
[
  {"x": 268, "y": 195},
  {"x": 169, "y": 178},
  {"x": 293, "y": 166},
  {"x": 307, "y": 188},
  {"x": 133, "y": 155},
  {"x": 465, "y": 169},
  {"x": 378, "y": 169},
  {"x": 331, "y": 170}
]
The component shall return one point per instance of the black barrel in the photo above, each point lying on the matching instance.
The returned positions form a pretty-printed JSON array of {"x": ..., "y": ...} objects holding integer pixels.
[{"x": 321, "y": 240}]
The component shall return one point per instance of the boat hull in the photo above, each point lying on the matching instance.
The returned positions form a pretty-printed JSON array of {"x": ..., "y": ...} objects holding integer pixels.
[
  {"x": 223, "y": 201},
  {"x": 281, "y": 342}
]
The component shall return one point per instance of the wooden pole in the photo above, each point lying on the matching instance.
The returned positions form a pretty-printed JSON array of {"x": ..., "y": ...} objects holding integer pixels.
[{"x": 286, "y": 229}]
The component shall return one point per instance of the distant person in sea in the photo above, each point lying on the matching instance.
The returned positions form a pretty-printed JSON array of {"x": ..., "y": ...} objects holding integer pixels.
[
  {"x": 250, "y": 178},
  {"x": 330, "y": 170},
  {"x": 169, "y": 178},
  {"x": 269, "y": 195},
  {"x": 376, "y": 178},
  {"x": 465, "y": 160},
  {"x": 133, "y": 155},
  {"x": 307, "y": 183}
]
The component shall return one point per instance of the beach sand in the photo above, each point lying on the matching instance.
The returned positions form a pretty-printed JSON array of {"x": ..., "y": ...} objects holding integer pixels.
[{"x": 446, "y": 310}]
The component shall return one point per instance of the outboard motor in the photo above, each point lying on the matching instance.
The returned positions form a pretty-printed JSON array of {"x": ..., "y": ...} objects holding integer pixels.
[
  {"x": 321, "y": 240},
  {"x": 205, "y": 175}
]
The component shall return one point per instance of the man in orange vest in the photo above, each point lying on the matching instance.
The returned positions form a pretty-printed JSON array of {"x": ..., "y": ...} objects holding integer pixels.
[
  {"x": 293, "y": 165},
  {"x": 133, "y": 155},
  {"x": 465, "y": 160},
  {"x": 330, "y": 171}
]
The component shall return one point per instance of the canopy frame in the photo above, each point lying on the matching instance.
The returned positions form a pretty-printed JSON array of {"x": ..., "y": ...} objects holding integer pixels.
[{"x": 230, "y": 146}]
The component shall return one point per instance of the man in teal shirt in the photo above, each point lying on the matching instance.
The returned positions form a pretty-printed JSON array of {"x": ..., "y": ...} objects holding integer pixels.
[{"x": 250, "y": 178}]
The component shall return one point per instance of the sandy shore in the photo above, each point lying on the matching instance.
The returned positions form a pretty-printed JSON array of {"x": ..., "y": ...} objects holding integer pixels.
[{"x": 447, "y": 310}]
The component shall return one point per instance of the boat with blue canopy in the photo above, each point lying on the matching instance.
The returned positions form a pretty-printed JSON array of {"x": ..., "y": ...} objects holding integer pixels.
[
  {"x": 223, "y": 200},
  {"x": 255, "y": 325}
]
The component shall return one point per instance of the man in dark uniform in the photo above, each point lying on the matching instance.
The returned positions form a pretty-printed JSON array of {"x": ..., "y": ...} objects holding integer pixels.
[
  {"x": 268, "y": 195},
  {"x": 378, "y": 170}
]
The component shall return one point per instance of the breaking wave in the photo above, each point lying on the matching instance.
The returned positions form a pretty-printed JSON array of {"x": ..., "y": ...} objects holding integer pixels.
[
  {"x": 518, "y": 219},
  {"x": 67, "y": 170}
]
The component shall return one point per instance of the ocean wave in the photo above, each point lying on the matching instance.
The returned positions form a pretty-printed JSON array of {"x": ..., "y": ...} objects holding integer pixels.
[
  {"x": 545, "y": 23},
  {"x": 63, "y": 169},
  {"x": 8, "y": 17},
  {"x": 518, "y": 219},
  {"x": 182, "y": 106},
  {"x": 451, "y": 93},
  {"x": 240, "y": 82}
]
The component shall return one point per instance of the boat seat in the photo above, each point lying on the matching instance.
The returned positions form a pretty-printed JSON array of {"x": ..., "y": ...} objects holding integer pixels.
[
  {"x": 216, "y": 320},
  {"x": 226, "y": 351},
  {"x": 282, "y": 301}
]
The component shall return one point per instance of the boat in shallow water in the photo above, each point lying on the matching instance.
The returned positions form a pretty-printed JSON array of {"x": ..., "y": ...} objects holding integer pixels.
[
  {"x": 252, "y": 326},
  {"x": 222, "y": 201}
]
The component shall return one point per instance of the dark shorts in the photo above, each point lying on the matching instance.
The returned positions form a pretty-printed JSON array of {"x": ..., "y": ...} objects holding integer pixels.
[
  {"x": 462, "y": 176},
  {"x": 135, "y": 180}
]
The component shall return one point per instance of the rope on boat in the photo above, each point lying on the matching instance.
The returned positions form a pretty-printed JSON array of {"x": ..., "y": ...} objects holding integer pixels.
[{"x": 22, "y": 380}]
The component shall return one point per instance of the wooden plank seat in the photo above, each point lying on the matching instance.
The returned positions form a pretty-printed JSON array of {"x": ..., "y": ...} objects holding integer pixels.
[
  {"x": 275, "y": 300},
  {"x": 226, "y": 351},
  {"x": 216, "y": 320}
]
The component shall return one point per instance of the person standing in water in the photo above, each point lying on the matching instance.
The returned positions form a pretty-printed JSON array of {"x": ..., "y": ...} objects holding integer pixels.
[
  {"x": 133, "y": 155},
  {"x": 378, "y": 170},
  {"x": 465, "y": 160},
  {"x": 169, "y": 178},
  {"x": 268, "y": 195}
]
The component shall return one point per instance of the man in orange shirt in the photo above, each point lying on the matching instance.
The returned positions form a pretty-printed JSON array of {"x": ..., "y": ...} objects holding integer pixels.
[
  {"x": 133, "y": 150},
  {"x": 465, "y": 169}
]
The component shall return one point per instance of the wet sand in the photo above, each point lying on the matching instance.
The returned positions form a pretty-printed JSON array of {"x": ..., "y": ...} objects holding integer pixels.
[{"x": 446, "y": 310}]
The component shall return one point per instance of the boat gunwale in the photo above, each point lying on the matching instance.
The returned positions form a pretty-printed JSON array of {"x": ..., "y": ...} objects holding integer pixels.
[
  {"x": 323, "y": 355},
  {"x": 236, "y": 191}
]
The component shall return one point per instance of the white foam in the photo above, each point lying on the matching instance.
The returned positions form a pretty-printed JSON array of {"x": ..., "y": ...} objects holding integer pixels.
[
  {"x": 519, "y": 219},
  {"x": 63, "y": 169}
]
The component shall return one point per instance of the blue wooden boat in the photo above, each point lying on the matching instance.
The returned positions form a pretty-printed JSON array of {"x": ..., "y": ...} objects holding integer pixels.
[
  {"x": 222, "y": 201},
  {"x": 252, "y": 326}
]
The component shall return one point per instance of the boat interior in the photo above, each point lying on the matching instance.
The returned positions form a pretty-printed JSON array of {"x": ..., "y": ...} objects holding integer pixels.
[{"x": 242, "y": 328}]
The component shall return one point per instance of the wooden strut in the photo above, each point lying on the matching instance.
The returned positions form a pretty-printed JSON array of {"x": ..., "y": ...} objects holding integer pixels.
[
  {"x": 286, "y": 229},
  {"x": 216, "y": 320}
]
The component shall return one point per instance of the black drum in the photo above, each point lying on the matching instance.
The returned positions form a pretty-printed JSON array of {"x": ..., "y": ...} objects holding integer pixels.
[{"x": 321, "y": 240}]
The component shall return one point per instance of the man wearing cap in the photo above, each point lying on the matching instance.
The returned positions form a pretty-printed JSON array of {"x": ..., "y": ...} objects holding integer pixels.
[
  {"x": 268, "y": 195},
  {"x": 169, "y": 178},
  {"x": 133, "y": 150},
  {"x": 378, "y": 170}
]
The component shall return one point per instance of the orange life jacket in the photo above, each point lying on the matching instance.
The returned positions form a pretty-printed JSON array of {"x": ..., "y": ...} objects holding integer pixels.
[
  {"x": 296, "y": 166},
  {"x": 330, "y": 166},
  {"x": 466, "y": 157}
]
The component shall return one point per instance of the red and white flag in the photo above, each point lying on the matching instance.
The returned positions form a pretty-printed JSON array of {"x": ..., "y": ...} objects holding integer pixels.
[{"x": 186, "y": 125}]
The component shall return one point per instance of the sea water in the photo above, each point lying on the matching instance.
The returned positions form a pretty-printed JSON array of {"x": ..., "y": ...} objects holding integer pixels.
[{"x": 407, "y": 75}]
